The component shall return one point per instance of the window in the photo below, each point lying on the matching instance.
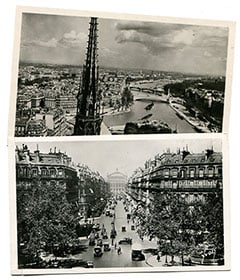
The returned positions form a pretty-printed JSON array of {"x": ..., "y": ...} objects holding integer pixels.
[
  {"x": 219, "y": 169},
  {"x": 60, "y": 172},
  {"x": 201, "y": 173},
  {"x": 34, "y": 172},
  {"x": 182, "y": 173},
  {"x": 174, "y": 185},
  {"x": 192, "y": 173},
  {"x": 52, "y": 172},
  {"x": 166, "y": 173},
  {"x": 174, "y": 173},
  {"x": 210, "y": 172},
  {"x": 44, "y": 172}
]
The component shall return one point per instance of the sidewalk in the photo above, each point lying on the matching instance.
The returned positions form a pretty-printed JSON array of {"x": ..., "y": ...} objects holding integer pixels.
[{"x": 153, "y": 262}]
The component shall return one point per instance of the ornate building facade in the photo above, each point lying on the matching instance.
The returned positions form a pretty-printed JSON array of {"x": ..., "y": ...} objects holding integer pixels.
[
  {"x": 193, "y": 175},
  {"x": 53, "y": 168},
  {"x": 117, "y": 182}
]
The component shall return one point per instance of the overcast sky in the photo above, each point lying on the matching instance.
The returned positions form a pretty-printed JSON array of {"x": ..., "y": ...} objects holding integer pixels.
[
  {"x": 126, "y": 44},
  {"x": 124, "y": 155}
]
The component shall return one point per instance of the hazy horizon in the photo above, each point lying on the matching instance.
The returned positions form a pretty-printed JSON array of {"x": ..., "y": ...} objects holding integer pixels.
[{"x": 128, "y": 44}]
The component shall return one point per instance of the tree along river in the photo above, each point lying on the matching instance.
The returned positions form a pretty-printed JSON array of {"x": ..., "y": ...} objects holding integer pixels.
[{"x": 160, "y": 111}]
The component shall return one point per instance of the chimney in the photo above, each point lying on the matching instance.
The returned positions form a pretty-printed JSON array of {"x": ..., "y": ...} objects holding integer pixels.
[
  {"x": 184, "y": 154},
  {"x": 37, "y": 155},
  {"x": 209, "y": 152}
]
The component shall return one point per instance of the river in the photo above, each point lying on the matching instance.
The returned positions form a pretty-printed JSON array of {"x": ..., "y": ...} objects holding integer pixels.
[{"x": 160, "y": 111}]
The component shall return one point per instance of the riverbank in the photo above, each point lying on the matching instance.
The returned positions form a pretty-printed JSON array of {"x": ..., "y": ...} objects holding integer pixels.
[
  {"x": 177, "y": 116},
  {"x": 198, "y": 125}
]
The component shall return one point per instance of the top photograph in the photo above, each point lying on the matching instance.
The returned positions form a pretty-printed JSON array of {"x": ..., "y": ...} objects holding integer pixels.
[{"x": 82, "y": 73}]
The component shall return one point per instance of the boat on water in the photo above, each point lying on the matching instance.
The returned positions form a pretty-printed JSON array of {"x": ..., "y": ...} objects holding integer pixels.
[
  {"x": 149, "y": 106},
  {"x": 146, "y": 117}
]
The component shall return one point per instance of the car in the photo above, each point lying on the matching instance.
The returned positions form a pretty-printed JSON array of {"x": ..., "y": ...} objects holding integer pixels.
[
  {"x": 106, "y": 246},
  {"x": 90, "y": 264},
  {"x": 96, "y": 227},
  {"x": 105, "y": 236},
  {"x": 92, "y": 242},
  {"x": 152, "y": 251},
  {"x": 125, "y": 240},
  {"x": 69, "y": 263},
  {"x": 98, "y": 251},
  {"x": 99, "y": 242}
]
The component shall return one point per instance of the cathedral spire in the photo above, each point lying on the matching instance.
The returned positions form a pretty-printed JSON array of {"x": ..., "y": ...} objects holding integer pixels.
[{"x": 88, "y": 119}]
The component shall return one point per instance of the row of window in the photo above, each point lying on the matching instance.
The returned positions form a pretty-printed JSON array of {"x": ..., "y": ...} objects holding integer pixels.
[
  {"x": 188, "y": 184},
  {"x": 192, "y": 172},
  {"x": 52, "y": 172}
]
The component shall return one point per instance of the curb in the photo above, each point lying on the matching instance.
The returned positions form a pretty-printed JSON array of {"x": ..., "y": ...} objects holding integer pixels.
[{"x": 146, "y": 261}]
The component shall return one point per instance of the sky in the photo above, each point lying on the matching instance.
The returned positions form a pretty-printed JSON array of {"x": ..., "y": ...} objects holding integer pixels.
[
  {"x": 123, "y": 155},
  {"x": 125, "y": 44}
]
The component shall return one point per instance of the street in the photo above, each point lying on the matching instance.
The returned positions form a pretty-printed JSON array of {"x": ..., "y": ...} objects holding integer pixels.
[{"x": 111, "y": 258}]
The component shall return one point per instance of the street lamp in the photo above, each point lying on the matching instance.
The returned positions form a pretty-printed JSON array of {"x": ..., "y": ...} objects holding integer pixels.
[
  {"x": 180, "y": 231},
  {"x": 167, "y": 242}
]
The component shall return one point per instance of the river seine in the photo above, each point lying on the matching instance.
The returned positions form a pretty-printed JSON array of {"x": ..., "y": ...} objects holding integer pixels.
[{"x": 160, "y": 111}]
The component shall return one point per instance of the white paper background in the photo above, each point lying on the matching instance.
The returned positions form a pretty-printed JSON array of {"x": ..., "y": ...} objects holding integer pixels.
[{"x": 204, "y": 9}]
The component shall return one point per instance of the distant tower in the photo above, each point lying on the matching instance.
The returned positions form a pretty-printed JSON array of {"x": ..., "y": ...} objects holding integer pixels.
[{"x": 88, "y": 119}]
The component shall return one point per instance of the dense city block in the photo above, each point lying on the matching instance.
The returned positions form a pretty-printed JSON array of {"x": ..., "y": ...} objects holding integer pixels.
[{"x": 47, "y": 100}]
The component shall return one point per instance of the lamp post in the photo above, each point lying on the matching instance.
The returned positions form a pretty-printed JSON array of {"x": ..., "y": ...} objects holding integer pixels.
[
  {"x": 167, "y": 242},
  {"x": 180, "y": 231}
]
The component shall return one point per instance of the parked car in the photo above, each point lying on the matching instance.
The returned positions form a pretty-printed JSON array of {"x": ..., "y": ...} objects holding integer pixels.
[
  {"x": 152, "y": 251},
  {"x": 125, "y": 240},
  {"x": 69, "y": 263}
]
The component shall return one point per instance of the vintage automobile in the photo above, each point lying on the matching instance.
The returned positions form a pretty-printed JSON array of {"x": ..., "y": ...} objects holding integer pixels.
[
  {"x": 99, "y": 242},
  {"x": 96, "y": 227},
  {"x": 98, "y": 251},
  {"x": 106, "y": 246},
  {"x": 123, "y": 228},
  {"x": 105, "y": 236},
  {"x": 92, "y": 242},
  {"x": 90, "y": 264},
  {"x": 137, "y": 254},
  {"x": 125, "y": 240}
]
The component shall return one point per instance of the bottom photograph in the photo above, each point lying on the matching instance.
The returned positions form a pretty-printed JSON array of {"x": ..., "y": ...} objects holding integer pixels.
[{"x": 145, "y": 204}]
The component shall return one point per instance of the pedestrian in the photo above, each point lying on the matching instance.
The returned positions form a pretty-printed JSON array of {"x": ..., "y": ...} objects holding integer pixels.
[
  {"x": 115, "y": 246},
  {"x": 119, "y": 251},
  {"x": 158, "y": 258}
]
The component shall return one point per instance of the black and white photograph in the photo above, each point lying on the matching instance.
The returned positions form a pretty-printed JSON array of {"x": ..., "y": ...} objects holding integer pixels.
[
  {"x": 92, "y": 74},
  {"x": 93, "y": 206}
]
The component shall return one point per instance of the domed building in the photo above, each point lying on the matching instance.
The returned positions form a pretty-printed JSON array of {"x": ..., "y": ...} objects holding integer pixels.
[{"x": 117, "y": 182}]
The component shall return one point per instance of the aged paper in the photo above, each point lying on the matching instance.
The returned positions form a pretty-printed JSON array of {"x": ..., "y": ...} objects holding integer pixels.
[{"x": 118, "y": 143}]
